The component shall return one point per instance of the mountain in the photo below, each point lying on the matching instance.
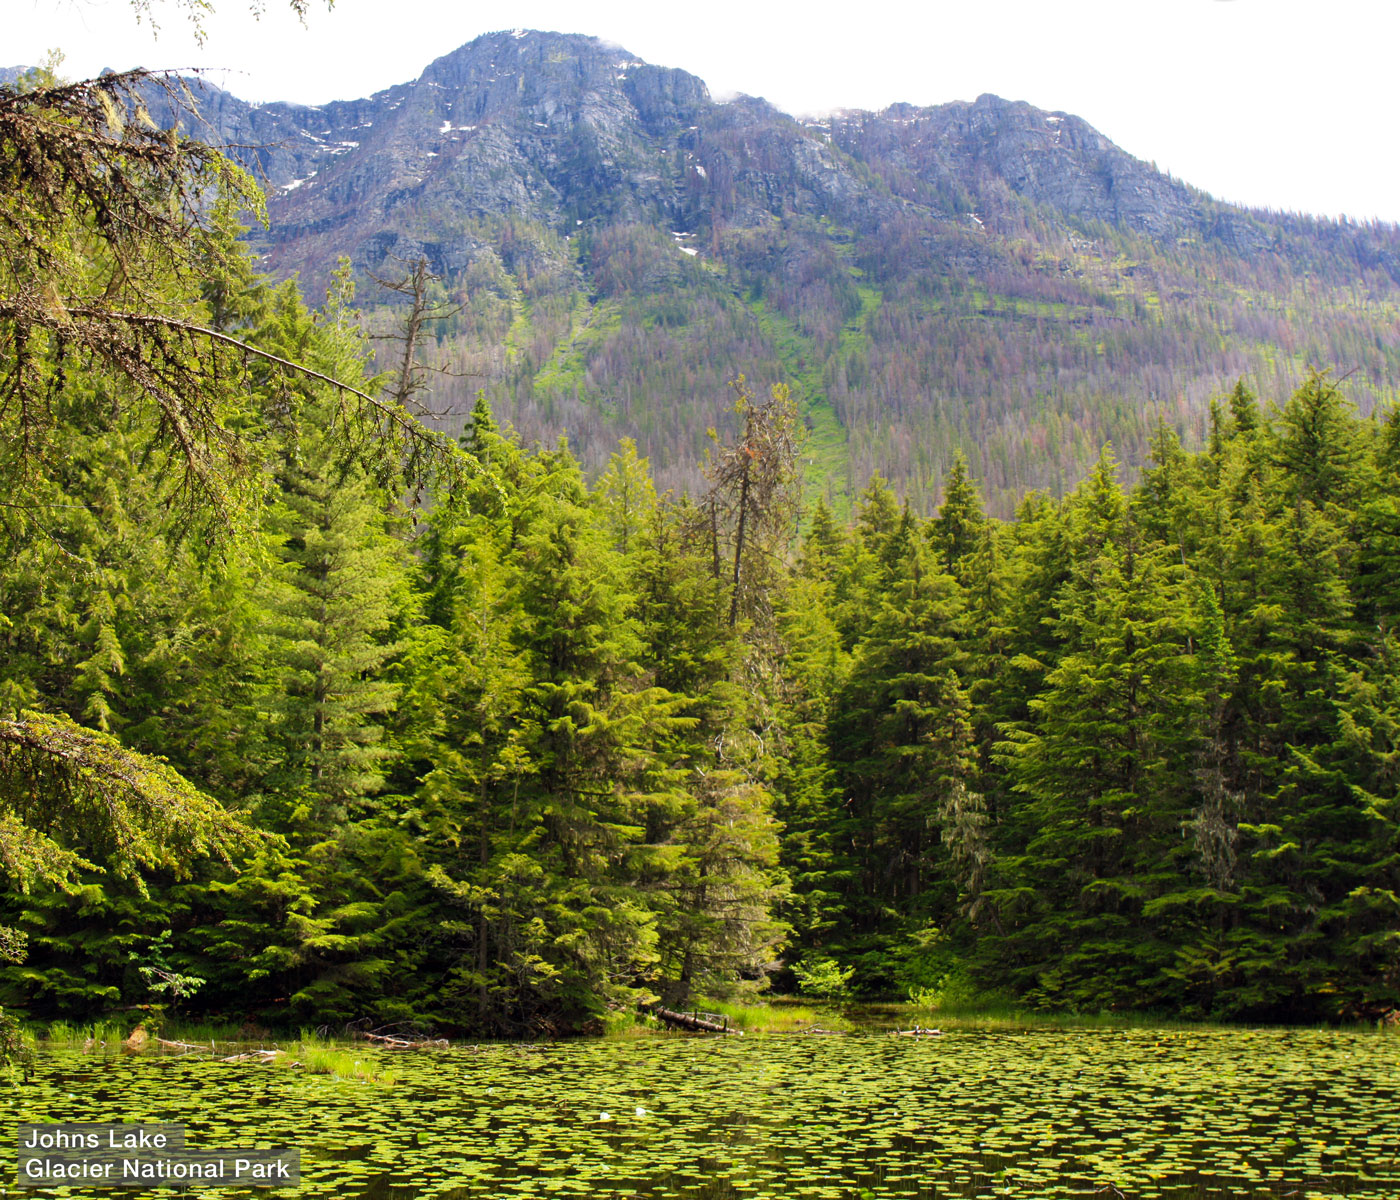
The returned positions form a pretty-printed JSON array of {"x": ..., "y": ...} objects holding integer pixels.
[{"x": 982, "y": 276}]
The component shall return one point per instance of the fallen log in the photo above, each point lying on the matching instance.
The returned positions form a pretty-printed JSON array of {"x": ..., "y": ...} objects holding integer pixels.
[
  {"x": 696, "y": 1024},
  {"x": 918, "y": 1031}
]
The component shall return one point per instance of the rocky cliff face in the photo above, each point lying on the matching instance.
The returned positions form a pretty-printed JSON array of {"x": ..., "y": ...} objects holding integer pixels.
[
  {"x": 548, "y": 129},
  {"x": 563, "y": 130},
  {"x": 994, "y": 145}
]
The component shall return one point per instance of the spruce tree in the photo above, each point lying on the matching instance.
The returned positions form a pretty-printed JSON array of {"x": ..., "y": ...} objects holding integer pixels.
[{"x": 902, "y": 741}]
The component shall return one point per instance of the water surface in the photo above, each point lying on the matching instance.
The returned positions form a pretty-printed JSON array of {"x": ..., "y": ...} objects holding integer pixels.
[{"x": 1164, "y": 1115}]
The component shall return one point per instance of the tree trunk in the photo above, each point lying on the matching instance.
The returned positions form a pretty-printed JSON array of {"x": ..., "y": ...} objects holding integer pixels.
[{"x": 680, "y": 1020}]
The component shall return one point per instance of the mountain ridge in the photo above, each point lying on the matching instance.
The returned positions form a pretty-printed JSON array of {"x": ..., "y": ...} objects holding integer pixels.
[
  {"x": 988, "y": 132},
  {"x": 981, "y": 276}
]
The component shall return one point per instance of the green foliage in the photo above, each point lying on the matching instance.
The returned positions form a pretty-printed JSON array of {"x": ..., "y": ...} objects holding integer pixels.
[
  {"x": 162, "y": 980},
  {"x": 555, "y": 753},
  {"x": 11, "y": 1041},
  {"x": 822, "y": 977},
  {"x": 69, "y": 792},
  {"x": 785, "y": 1016},
  {"x": 1152, "y": 775},
  {"x": 101, "y": 224}
]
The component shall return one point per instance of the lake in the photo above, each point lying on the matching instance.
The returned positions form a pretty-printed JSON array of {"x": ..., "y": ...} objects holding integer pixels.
[{"x": 1027, "y": 1113}]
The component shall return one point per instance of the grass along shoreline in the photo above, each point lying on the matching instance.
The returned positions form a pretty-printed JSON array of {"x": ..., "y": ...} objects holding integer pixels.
[{"x": 319, "y": 1052}]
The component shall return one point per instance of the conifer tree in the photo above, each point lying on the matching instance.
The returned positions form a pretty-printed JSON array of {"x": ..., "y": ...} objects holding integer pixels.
[
  {"x": 902, "y": 740},
  {"x": 332, "y": 605},
  {"x": 545, "y": 761},
  {"x": 1102, "y": 768},
  {"x": 955, "y": 532},
  {"x": 809, "y": 800},
  {"x": 626, "y": 495}
]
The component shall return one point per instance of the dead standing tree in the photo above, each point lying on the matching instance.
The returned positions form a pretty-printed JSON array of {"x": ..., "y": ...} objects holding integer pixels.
[
  {"x": 753, "y": 497},
  {"x": 408, "y": 374}
]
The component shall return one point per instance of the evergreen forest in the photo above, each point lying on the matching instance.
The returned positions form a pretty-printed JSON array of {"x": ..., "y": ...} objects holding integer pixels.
[{"x": 310, "y": 715}]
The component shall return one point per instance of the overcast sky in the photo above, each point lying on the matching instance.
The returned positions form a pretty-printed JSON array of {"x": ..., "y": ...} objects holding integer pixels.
[{"x": 1279, "y": 103}]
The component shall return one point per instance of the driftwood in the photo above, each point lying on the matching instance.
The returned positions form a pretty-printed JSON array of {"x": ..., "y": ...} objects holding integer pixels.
[
  {"x": 181, "y": 1045},
  {"x": 691, "y": 1021},
  {"x": 250, "y": 1055},
  {"x": 245, "y": 1056},
  {"x": 398, "y": 1043},
  {"x": 401, "y": 1035},
  {"x": 918, "y": 1031}
]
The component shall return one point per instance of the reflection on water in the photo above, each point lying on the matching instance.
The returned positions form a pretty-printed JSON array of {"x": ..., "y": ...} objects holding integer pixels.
[{"x": 1134, "y": 1114}]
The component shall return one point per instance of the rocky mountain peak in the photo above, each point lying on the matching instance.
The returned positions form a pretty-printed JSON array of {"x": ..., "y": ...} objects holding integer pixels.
[{"x": 559, "y": 129}]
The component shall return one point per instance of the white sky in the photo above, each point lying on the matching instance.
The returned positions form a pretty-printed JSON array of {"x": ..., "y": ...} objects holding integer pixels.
[{"x": 1279, "y": 103}]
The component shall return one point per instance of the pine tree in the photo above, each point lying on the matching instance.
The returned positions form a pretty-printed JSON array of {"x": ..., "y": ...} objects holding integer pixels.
[
  {"x": 1244, "y": 410},
  {"x": 1378, "y": 535},
  {"x": 1319, "y": 447}
]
